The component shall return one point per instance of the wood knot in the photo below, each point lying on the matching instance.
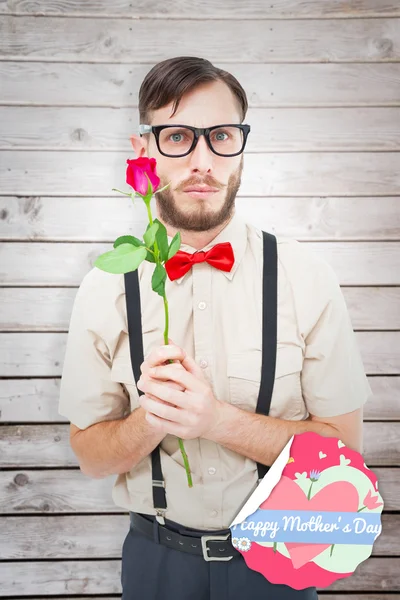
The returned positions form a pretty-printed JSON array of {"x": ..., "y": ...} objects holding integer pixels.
[
  {"x": 79, "y": 134},
  {"x": 385, "y": 47},
  {"x": 21, "y": 479}
]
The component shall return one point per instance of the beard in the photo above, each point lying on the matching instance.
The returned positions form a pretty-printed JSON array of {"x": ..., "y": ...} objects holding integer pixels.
[{"x": 198, "y": 217}]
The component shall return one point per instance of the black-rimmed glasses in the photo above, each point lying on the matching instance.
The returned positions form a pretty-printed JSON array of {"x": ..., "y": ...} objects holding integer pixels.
[{"x": 176, "y": 141}]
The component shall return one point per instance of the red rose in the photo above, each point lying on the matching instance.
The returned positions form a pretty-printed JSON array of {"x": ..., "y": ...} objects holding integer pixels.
[{"x": 136, "y": 172}]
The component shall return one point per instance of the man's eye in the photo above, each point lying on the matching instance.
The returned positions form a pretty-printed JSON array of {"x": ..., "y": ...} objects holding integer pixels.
[
  {"x": 177, "y": 137},
  {"x": 219, "y": 136}
]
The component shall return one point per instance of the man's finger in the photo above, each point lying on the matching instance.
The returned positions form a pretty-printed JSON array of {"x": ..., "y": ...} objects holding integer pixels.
[
  {"x": 178, "y": 375},
  {"x": 161, "y": 355},
  {"x": 163, "y": 410},
  {"x": 164, "y": 392}
]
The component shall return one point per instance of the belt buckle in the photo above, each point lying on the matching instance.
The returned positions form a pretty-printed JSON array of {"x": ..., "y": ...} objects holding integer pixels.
[{"x": 205, "y": 539}]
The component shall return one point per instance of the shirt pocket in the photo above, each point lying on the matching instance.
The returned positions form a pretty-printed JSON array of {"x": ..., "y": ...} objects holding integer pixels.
[
  {"x": 244, "y": 377},
  {"x": 121, "y": 372}
]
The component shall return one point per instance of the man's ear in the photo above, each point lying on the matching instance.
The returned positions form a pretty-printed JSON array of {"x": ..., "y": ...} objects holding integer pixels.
[{"x": 139, "y": 145}]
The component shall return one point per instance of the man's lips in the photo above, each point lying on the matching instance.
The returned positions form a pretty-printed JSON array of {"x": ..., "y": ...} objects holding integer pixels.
[
  {"x": 200, "y": 192},
  {"x": 204, "y": 189}
]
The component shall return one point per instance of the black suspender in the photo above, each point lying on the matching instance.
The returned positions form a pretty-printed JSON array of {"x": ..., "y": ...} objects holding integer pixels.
[
  {"x": 133, "y": 306},
  {"x": 269, "y": 330},
  {"x": 269, "y": 343}
]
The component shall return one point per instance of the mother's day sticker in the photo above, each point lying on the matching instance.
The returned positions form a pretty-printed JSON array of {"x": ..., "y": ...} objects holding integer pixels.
[{"x": 313, "y": 518}]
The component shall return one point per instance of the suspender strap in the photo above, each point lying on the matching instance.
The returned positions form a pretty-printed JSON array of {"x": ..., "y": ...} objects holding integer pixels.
[
  {"x": 134, "y": 315},
  {"x": 269, "y": 330}
]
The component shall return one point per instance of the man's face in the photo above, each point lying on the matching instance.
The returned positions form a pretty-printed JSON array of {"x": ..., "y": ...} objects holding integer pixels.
[{"x": 211, "y": 104}]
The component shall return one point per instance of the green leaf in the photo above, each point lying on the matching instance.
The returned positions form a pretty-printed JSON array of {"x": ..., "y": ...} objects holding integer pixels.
[
  {"x": 174, "y": 245},
  {"x": 128, "y": 239},
  {"x": 158, "y": 280},
  {"x": 122, "y": 259},
  {"x": 150, "y": 235},
  {"x": 150, "y": 257},
  {"x": 162, "y": 240}
]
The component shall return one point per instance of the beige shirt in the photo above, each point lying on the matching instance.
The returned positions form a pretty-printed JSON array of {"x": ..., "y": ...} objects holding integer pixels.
[{"x": 216, "y": 317}]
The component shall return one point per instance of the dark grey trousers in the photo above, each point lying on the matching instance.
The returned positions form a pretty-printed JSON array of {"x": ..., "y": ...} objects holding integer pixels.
[{"x": 151, "y": 571}]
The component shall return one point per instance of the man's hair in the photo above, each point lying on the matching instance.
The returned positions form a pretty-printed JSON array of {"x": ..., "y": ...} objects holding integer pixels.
[{"x": 170, "y": 79}]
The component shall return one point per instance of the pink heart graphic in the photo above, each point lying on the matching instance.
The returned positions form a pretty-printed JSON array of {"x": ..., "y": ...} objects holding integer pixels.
[{"x": 340, "y": 496}]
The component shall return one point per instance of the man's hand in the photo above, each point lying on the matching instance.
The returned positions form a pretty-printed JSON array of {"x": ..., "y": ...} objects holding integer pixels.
[
  {"x": 160, "y": 356},
  {"x": 178, "y": 399}
]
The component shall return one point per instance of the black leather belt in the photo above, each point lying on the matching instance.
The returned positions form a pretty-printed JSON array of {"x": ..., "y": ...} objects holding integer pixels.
[{"x": 209, "y": 546}]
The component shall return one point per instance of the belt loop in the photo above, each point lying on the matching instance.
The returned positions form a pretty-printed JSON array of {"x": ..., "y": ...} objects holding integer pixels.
[{"x": 156, "y": 531}]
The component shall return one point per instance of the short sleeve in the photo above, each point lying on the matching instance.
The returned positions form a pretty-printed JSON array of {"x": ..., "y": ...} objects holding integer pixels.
[
  {"x": 87, "y": 393},
  {"x": 333, "y": 377}
]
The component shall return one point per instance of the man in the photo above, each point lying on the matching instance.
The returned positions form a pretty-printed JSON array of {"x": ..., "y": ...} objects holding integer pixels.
[{"x": 210, "y": 396}]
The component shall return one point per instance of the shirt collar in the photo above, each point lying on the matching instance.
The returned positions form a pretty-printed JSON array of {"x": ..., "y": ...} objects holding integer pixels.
[{"x": 234, "y": 232}]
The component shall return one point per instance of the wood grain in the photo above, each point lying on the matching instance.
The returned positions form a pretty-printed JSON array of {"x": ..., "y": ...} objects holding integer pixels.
[
  {"x": 247, "y": 41},
  {"x": 267, "y": 85},
  {"x": 208, "y": 9}
]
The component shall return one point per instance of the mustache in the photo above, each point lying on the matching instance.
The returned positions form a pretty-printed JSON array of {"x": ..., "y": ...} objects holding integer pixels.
[{"x": 192, "y": 182}]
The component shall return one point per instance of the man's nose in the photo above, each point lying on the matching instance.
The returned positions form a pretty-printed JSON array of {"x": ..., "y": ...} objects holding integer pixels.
[{"x": 201, "y": 158}]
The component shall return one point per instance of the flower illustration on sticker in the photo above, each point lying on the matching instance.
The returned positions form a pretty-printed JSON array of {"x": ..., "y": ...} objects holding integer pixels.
[
  {"x": 243, "y": 544},
  {"x": 370, "y": 502},
  {"x": 314, "y": 476}
]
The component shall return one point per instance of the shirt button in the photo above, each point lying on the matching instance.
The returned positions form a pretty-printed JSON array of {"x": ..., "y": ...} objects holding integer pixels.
[
  {"x": 212, "y": 470},
  {"x": 203, "y": 364},
  {"x": 202, "y": 305},
  {"x": 214, "y": 513}
]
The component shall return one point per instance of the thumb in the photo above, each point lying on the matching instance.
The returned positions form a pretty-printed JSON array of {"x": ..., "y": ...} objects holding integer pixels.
[
  {"x": 190, "y": 365},
  {"x": 176, "y": 360}
]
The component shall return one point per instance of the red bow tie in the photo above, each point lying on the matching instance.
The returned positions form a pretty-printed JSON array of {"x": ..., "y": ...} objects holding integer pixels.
[{"x": 219, "y": 256}]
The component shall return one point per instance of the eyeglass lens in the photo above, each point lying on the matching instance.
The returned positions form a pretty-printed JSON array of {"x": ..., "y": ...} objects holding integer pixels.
[{"x": 178, "y": 140}]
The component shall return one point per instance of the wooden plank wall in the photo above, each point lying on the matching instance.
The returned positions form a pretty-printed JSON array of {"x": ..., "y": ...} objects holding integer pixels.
[{"x": 323, "y": 164}]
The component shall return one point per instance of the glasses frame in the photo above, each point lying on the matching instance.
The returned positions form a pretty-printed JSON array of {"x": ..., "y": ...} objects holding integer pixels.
[{"x": 198, "y": 131}]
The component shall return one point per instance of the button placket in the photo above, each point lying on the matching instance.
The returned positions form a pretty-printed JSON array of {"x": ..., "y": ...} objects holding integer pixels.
[{"x": 203, "y": 347}]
